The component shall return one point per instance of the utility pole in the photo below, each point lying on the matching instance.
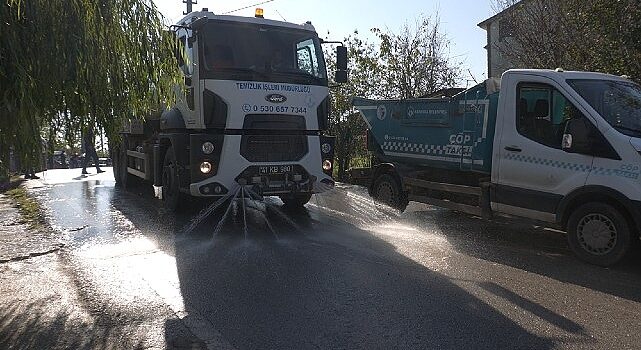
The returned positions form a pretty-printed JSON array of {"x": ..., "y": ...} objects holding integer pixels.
[{"x": 189, "y": 5}]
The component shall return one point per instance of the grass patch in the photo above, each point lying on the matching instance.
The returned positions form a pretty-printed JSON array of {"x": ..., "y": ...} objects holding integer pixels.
[
  {"x": 14, "y": 182},
  {"x": 30, "y": 210}
]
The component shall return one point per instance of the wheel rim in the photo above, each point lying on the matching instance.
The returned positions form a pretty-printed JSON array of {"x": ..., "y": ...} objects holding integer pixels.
[
  {"x": 386, "y": 193},
  {"x": 597, "y": 234}
]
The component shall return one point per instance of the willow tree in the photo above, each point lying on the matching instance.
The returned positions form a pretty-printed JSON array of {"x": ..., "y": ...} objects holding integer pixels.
[{"x": 69, "y": 64}]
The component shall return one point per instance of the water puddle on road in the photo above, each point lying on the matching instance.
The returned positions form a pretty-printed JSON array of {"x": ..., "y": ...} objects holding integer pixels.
[{"x": 405, "y": 231}]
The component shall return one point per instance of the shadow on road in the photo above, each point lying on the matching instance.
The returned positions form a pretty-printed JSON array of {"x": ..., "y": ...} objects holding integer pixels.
[
  {"x": 534, "y": 249},
  {"x": 309, "y": 289},
  {"x": 34, "y": 326},
  {"x": 322, "y": 284},
  {"x": 315, "y": 279}
]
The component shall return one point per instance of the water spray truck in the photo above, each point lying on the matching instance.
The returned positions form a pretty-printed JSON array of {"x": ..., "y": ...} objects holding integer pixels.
[
  {"x": 558, "y": 147},
  {"x": 253, "y": 113}
]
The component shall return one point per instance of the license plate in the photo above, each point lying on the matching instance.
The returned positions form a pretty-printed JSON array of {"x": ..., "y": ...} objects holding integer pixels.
[{"x": 274, "y": 169}]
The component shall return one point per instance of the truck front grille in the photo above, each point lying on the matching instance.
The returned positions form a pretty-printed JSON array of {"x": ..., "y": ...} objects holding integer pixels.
[
  {"x": 273, "y": 138},
  {"x": 273, "y": 148}
]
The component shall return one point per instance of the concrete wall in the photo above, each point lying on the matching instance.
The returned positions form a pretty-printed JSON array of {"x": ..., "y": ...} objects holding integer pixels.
[{"x": 497, "y": 63}]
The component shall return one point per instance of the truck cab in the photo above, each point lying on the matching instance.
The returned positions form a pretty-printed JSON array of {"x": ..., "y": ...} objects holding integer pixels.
[
  {"x": 566, "y": 151},
  {"x": 253, "y": 112}
]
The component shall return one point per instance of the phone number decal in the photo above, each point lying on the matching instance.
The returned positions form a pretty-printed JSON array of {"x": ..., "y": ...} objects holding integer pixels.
[{"x": 247, "y": 108}]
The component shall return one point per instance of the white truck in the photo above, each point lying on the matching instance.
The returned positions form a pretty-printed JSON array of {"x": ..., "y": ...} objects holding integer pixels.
[
  {"x": 254, "y": 112},
  {"x": 554, "y": 146}
]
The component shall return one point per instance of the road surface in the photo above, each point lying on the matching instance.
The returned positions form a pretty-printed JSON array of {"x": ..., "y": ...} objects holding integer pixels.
[{"x": 343, "y": 273}]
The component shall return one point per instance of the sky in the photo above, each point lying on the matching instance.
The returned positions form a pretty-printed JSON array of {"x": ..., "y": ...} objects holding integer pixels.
[{"x": 459, "y": 19}]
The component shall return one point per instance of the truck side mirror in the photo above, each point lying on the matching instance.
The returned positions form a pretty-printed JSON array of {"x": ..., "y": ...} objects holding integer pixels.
[
  {"x": 576, "y": 138},
  {"x": 340, "y": 76},
  {"x": 341, "y": 65}
]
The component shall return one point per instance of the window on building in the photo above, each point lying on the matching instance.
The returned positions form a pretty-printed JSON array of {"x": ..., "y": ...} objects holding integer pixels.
[{"x": 506, "y": 29}]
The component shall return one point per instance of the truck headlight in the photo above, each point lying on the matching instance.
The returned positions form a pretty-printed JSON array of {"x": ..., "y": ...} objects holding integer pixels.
[
  {"x": 327, "y": 165},
  {"x": 205, "y": 167},
  {"x": 208, "y": 147},
  {"x": 326, "y": 147}
]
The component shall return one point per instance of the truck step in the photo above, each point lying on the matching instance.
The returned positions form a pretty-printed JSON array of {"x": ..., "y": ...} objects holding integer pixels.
[
  {"x": 469, "y": 209},
  {"x": 439, "y": 186}
]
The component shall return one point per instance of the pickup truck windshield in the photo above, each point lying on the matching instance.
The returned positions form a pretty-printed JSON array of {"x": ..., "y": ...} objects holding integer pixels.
[
  {"x": 618, "y": 102},
  {"x": 265, "y": 53}
]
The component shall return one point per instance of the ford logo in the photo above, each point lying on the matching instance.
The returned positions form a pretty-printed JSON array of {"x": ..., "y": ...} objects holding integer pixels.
[{"x": 275, "y": 98}]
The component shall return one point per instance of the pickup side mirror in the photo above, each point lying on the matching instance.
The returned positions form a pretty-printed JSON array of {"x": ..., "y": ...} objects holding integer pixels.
[
  {"x": 576, "y": 138},
  {"x": 341, "y": 65}
]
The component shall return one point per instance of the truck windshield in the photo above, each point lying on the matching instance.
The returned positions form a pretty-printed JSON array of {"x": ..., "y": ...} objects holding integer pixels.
[
  {"x": 618, "y": 102},
  {"x": 259, "y": 52}
]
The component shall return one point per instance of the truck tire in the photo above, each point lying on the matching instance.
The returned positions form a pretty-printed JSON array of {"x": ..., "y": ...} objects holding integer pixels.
[
  {"x": 296, "y": 200},
  {"x": 121, "y": 175},
  {"x": 599, "y": 234},
  {"x": 387, "y": 190},
  {"x": 115, "y": 156},
  {"x": 171, "y": 195}
]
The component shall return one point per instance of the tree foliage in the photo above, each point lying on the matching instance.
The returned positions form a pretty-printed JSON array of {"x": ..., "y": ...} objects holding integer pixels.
[
  {"x": 69, "y": 64},
  {"x": 364, "y": 80},
  {"x": 408, "y": 64},
  {"x": 611, "y": 35},
  {"x": 591, "y": 35},
  {"x": 416, "y": 60}
]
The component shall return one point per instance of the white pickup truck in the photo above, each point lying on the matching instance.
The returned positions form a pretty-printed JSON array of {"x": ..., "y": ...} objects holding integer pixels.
[{"x": 554, "y": 146}]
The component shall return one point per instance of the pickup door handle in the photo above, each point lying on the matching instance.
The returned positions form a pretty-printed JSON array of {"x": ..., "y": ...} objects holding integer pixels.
[{"x": 512, "y": 149}]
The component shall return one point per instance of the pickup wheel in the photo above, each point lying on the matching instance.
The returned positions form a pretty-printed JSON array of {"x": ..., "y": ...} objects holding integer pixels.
[
  {"x": 599, "y": 234},
  {"x": 296, "y": 200},
  {"x": 171, "y": 195},
  {"x": 387, "y": 190}
]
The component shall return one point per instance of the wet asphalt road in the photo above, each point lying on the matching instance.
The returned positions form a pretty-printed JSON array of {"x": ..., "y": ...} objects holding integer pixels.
[{"x": 341, "y": 274}]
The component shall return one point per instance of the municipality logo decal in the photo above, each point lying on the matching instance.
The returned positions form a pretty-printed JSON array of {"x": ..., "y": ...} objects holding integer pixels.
[
  {"x": 381, "y": 112},
  {"x": 275, "y": 98}
]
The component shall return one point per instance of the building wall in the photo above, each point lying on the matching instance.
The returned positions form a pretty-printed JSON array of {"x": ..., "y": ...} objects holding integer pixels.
[
  {"x": 497, "y": 64},
  {"x": 499, "y": 33}
]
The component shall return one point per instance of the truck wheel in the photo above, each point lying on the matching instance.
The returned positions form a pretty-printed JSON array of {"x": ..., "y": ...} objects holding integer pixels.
[
  {"x": 387, "y": 190},
  {"x": 123, "y": 178},
  {"x": 171, "y": 195},
  {"x": 297, "y": 200},
  {"x": 599, "y": 234},
  {"x": 115, "y": 156}
]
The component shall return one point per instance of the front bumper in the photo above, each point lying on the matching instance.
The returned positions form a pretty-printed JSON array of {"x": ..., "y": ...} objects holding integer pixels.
[
  {"x": 231, "y": 170},
  {"x": 296, "y": 181}
]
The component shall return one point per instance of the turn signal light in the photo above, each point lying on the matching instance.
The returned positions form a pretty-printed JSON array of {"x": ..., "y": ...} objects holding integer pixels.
[{"x": 205, "y": 167}]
